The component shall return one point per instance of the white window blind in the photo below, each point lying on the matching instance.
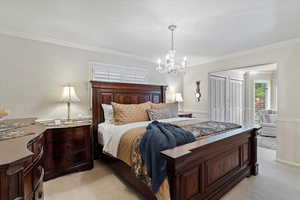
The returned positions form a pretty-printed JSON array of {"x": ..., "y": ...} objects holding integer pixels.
[{"x": 116, "y": 73}]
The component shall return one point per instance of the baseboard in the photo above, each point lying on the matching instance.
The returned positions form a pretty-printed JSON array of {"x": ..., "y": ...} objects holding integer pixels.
[{"x": 288, "y": 162}]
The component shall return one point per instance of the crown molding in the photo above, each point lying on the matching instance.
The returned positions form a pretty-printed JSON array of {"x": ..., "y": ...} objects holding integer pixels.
[
  {"x": 50, "y": 40},
  {"x": 247, "y": 52}
]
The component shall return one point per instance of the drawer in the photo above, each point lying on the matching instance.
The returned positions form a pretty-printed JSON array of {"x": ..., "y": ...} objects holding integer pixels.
[
  {"x": 66, "y": 161},
  {"x": 66, "y": 134},
  {"x": 66, "y": 148}
]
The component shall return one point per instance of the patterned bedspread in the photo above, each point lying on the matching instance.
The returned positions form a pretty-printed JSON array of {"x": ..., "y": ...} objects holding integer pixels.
[
  {"x": 200, "y": 129},
  {"x": 128, "y": 150}
]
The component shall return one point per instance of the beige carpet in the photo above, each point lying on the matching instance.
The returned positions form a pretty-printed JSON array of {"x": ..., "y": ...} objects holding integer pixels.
[{"x": 275, "y": 182}]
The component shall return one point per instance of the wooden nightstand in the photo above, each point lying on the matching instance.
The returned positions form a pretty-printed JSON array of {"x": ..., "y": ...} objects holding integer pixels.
[
  {"x": 189, "y": 115},
  {"x": 68, "y": 148}
]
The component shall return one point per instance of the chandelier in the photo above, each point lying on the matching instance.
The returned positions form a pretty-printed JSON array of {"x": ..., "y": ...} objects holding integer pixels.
[{"x": 169, "y": 65}]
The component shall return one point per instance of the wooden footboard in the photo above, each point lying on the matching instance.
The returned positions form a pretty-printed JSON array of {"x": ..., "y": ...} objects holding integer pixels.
[{"x": 207, "y": 169}]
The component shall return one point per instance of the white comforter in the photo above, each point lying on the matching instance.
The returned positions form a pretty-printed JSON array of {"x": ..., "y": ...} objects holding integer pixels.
[{"x": 113, "y": 133}]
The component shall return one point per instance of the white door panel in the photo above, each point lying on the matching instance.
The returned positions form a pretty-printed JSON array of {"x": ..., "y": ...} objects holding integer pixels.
[
  {"x": 226, "y": 99},
  {"x": 217, "y": 98}
]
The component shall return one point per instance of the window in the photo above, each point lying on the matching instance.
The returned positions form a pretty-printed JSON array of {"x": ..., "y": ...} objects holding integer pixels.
[
  {"x": 116, "y": 73},
  {"x": 262, "y": 97}
]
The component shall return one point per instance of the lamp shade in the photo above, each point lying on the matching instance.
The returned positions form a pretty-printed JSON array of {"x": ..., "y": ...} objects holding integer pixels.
[
  {"x": 178, "y": 97},
  {"x": 69, "y": 95}
]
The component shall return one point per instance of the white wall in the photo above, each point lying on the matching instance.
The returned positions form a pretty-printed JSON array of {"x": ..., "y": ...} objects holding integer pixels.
[
  {"x": 32, "y": 73},
  {"x": 286, "y": 55}
]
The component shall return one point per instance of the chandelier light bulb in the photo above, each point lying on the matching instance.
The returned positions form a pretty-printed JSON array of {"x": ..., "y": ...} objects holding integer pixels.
[
  {"x": 167, "y": 56},
  {"x": 159, "y": 61}
]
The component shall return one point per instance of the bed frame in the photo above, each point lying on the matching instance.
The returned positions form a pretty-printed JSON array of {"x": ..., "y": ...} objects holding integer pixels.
[{"x": 205, "y": 169}]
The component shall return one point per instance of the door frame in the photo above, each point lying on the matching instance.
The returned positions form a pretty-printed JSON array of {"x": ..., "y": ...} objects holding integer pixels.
[{"x": 244, "y": 90}]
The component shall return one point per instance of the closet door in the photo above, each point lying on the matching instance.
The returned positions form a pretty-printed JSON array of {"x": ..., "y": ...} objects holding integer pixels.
[
  {"x": 235, "y": 102},
  {"x": 217, "y": 97},
  {"x": 226, "y": 97}
]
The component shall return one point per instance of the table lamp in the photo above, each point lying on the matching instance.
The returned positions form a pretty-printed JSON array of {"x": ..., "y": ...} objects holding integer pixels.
[
  {"x": 179, "y": 99},
  {"x": 69, "y": 96}
]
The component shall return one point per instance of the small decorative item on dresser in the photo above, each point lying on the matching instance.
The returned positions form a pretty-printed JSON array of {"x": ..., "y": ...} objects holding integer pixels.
[
  {"x": 188, "y": 115},
  {"x": 68, "y": 148},
  {"x": 69, "y": 96},
  {"x": 198, "y": 92}
]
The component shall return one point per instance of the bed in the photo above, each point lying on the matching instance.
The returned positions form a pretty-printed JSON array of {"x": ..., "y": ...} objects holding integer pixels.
[{"x": 204, "y": 169}]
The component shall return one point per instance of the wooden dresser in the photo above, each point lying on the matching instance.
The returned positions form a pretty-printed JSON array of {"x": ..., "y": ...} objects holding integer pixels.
[
  {"x": 68, "y": 148},
  {"x": 21, "y": 173}
]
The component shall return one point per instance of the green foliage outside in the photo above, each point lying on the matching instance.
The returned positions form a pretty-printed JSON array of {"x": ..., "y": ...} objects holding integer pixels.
[{"x": 260, "y": 90}]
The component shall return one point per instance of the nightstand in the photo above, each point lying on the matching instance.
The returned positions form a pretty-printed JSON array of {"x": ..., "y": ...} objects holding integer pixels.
[
  {"x": 189, "y": 115},
  {"x": 68, "y": 148}
]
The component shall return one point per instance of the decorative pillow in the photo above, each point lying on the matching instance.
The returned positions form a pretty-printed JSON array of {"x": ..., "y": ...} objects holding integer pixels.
[
  {"x": 158, "y": 105},
  {"x": 108, "y": 113},
  {"x": 163, "y": 113},
  {"x": 128, "y": 113},
  {"x": 172, "y": 106}
]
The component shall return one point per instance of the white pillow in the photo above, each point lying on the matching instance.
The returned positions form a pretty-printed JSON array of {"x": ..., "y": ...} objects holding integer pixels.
[{"x": 108, "y": 113}]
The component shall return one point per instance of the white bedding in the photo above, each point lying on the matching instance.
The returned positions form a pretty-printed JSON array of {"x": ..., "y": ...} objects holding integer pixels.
[{"x": 111, "y": 134}]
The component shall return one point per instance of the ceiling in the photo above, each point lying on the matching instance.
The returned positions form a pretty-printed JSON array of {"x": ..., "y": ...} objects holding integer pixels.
[{"x": 207, "y": 29}]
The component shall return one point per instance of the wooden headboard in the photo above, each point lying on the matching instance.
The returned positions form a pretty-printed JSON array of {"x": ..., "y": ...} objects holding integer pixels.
[{"x": 126, "y": 93}]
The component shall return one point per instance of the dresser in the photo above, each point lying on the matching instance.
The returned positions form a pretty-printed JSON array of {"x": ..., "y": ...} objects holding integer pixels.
[
  {"x": 21, "y": 152},
  {"x": 68, "y": 148}
]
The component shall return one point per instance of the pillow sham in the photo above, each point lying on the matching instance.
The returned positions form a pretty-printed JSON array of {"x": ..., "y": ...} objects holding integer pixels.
[
  {"x": 163, "y": 113},
  {"x": 173, "y": 107},
  {"x": 108, "y": 113},
  {"x": 128, "y": 113}
]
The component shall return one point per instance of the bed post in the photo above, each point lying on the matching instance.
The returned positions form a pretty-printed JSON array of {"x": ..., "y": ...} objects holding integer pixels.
[{"x": 163, "y": 93}]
